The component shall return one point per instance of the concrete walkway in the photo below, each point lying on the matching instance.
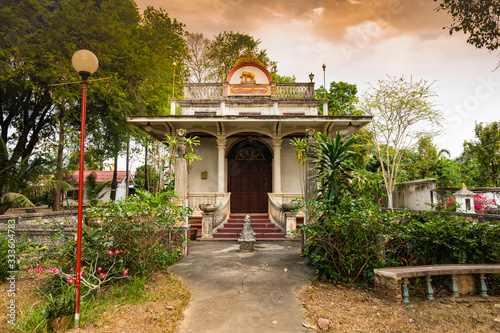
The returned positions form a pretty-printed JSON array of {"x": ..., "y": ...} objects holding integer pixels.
[{"x": 244, "y": 292}]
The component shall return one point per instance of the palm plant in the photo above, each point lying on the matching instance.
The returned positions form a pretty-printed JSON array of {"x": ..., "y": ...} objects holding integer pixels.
[
  {"x": 93, "y": 189},
  {"x": 333, "y": 161},
  {"x": 21, "y": 180}
]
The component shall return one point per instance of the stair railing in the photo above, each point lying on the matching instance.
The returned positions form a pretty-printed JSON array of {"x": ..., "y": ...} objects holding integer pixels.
[
  {"x": 276, "y": 213},
  {"x": 221, "y": 213}
]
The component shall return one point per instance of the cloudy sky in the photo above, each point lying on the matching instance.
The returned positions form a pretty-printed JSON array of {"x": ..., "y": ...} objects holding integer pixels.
[{"x": 362, "y": 41}]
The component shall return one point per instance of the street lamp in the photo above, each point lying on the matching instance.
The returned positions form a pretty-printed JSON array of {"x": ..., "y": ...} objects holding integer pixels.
[
  {"x": 311, "y": 77},
  {"x": 324, "y": 80},
  {"x": 85, "y": 63}
]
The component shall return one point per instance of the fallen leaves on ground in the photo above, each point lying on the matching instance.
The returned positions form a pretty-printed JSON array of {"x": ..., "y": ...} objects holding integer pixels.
[{"x": 359, "y": 310}]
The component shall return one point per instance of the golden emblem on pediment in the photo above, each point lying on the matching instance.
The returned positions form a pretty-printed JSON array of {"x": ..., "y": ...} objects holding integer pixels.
[
  {"x": 247, "y": 77},
  {"x": 249, "y": 59}
]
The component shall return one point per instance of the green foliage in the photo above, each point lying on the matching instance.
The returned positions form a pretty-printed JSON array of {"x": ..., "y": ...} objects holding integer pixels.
[
  {"x": 345, "y": 243},
  {"x": 139, "y": 225},
  {"x": 445, "y": 238},
  {"x": 400, "y": 108},
  {"x": 228, "y": 46},
  {"x": 479, "y": 19},
  {"x": 342, "y": 98},
  {"x": 93, "y": 189},
  {"x": 486, "y": 149},
  {"x": 4, "y": 253},
  {"x": 333, "y": 161}
]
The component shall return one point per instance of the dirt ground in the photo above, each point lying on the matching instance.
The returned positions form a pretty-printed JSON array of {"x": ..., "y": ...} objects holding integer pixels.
[
  {"x": 162, "y": 312},
  {"x": 359, "y": 310},
  {"x": 347, "y": 309}
]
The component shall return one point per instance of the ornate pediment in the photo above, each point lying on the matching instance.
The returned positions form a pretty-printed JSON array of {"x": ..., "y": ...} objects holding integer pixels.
[{"x": 249, "y": 59}]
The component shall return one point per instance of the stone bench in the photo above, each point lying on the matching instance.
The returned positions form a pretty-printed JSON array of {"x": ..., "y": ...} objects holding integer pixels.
[{"x": 392, "y": 283}]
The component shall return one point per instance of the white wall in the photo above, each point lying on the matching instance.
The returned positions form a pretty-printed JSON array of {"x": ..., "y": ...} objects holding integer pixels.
[
  {"x": 207, "y": 150},
  {"x": 290, "y": 170}
]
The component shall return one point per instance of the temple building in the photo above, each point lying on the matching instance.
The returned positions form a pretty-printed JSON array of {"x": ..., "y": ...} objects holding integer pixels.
[{"x": 245, "y": 125}]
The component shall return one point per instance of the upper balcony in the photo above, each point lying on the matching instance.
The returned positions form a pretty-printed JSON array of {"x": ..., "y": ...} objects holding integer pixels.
[{"x": 273, "y": 91}]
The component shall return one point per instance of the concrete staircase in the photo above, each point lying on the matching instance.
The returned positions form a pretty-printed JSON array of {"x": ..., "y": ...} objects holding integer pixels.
[{"x": 264, "y": 229}]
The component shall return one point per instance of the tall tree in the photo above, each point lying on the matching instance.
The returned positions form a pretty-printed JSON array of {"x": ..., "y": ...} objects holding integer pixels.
[
  {"x": 399, "y": 108},
  {"x": 486, "y": 149},
  {"x": 478, "y": 18},
  {"x": 201, "y": 68},
  {"x": 342, "y": 98},
  {"x": 229, "y": 46}
]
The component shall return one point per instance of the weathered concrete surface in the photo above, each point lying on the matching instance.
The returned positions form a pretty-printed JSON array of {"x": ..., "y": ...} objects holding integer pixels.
[{"x": 244, "y": 291}]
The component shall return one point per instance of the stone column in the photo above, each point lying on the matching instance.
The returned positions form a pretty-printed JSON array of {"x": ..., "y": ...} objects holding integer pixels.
[
  {"x": 181, "y": 174},
  {"x": 207, "y": 224},
  {"x": 310, "y": 167},
  {"x": 221, "y": 150},
  {"x": 277, "y": 165},
  {"x": 172, "y": 107}
]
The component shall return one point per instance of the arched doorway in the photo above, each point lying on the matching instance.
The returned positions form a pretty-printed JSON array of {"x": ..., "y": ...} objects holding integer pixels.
[{"x": 249, "y": 175}]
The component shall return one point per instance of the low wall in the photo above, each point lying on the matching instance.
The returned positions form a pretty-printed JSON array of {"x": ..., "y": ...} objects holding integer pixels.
[
  {"x": 44, "y": 229},
  {"x": 415, "y": 194}
]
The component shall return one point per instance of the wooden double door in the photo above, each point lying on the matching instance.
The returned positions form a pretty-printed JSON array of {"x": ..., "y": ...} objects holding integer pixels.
[{"x": 249, "y": 181}]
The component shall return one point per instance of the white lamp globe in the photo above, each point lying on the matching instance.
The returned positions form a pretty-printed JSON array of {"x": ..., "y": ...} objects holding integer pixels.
[{"x": 85, "y": 62}]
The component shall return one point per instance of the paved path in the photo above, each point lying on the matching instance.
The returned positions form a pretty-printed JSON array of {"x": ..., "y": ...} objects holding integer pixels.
[{"x": 244, "y": 292}]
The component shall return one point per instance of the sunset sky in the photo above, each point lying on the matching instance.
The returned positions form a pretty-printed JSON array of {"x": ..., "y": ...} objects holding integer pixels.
[{"x": 362, "y": 41}]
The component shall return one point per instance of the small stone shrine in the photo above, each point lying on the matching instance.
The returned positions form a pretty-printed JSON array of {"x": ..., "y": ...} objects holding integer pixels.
[
  {"x": 465, "y": 200},
  {"x": 247, "y": 237}
]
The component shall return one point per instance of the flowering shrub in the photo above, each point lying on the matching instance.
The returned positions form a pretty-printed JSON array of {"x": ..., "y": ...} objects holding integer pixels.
[
  {"x": 483, "y": 205},
  {"x": 449, "y": 205},
  {"x": 91, "y": 278}
]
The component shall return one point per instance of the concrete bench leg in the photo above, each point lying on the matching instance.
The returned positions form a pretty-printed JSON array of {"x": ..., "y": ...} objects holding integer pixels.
[
  {"x": 405, "y": 292},
  {"x": 428, "y": 289},
  {"x": 482, "y": 286},
  {"x": 454, "y": 285}
]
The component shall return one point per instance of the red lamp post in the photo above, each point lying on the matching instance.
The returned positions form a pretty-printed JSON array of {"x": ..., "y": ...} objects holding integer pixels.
[{"x": 85, "y": 63}]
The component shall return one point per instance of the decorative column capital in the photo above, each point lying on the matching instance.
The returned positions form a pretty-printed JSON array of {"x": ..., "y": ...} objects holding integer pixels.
[
  {"x": 221, "y": 143},
  {"x": 277, "y": 143},
  {"x": 181, "y": 142}
]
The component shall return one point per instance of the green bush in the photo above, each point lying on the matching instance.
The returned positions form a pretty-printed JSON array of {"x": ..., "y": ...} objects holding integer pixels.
[
  {"x": 139, "y": 226},
  {"x": 4, "y": 253},
  {"x": 346, "y": 244},
  {"x": 445, "y": 238}
]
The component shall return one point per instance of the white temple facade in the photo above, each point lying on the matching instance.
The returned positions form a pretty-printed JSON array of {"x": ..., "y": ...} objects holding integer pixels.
[{"x": 245, "y": 125}]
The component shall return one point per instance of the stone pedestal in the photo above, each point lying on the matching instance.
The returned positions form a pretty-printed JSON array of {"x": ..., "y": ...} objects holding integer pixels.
[
  {"x": 247, "y": 238},
  {"x": 246, "y": 246},
  {"x": 291, "y": 224},
  {"x": 467, "y": 284},
  {"x": 207, "y": 226}
]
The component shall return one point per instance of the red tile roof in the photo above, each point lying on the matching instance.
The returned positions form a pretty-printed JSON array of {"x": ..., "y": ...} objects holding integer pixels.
[{"x": 102, "y": 176}]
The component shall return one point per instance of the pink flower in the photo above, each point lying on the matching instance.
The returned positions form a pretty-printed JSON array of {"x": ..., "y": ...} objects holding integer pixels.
[
  {"x": 125, "y": 272},
  {"x": 99, "y": 269},
  {"x": 103, "y": 275},
  {"x": 35, "y": 270},
  {"x": 110, "y": 252},
  {"x": 29, "y": 271},
  {"x": 71, "y": 270},
  {"x": 82, "y": 273},
  {"x": 147, "y": 287},
  {"x": 84, "y": 267},
  {"x": 71, "y": 280},
  {"x": 117, "y": 251}
]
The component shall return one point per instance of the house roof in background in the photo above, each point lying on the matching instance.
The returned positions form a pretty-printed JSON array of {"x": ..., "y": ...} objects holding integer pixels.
[{"x": 102, "y": 176}]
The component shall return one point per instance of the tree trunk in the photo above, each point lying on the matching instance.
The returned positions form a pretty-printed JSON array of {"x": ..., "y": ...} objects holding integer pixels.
[
  {"x": 114, "y": 182},
  {"x": 60, "y": 154},
  {"x": 146, "y": 169}
]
